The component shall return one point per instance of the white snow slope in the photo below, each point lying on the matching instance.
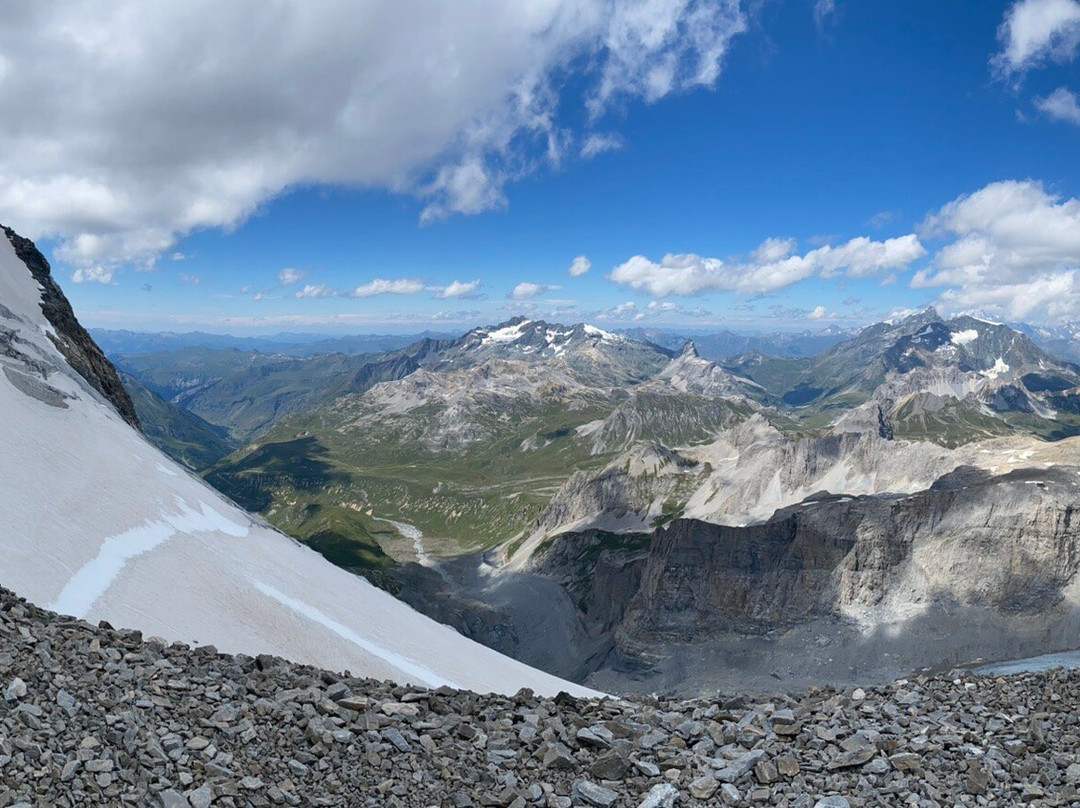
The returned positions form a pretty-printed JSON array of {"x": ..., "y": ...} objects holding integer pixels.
[{"x": 97, "y": 523}]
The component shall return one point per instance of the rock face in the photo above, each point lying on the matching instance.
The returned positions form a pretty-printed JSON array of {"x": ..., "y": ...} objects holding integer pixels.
[
  {"x": 97, "y": 716},
  {"x": 71, "y": 339},
  {"x": 981, "y": 565}
]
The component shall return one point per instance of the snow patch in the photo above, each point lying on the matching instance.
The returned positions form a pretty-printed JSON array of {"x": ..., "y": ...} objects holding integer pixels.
[
  {"x": 998, "y": 368},
  {"x": 166, "y": 470},
  {"x": 510, "y": 333},
  {"x": 94, "y": 578},
  {"x": 593, "y": 331},
  {"x": 964, "y": 337},
  {"x": 421, "y": 674}
]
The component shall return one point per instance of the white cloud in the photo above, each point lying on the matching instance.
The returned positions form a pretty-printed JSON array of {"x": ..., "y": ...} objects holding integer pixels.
[
  {"x": 1035, "y": 31},
  {"x": 190, "y": 280},
  {"x": 458, "y": 289},
  {"x": 598, "y": 143},
  {"x": 666, "y": 307},
  {"x": 882, "y": 218},
  {"x": 139, "y": 123},
  {"x": 773, "y": 266},
  {"x": 624, "y": 311},
  {"x": 290, "y": 276},
  {"x": 316, "y": 290},
  {"x": 1044, "y": 298},
  {"x": 821, "y": 313},
  {"x": 178, "y": 256},
  {"x": 381, "y": 286},
  {"x": 92, "y": 274},
  {"x": 1061, "y": 105},
  {"x": 579, "y": 266},
  {"x": 526, "y": 291},
  {"x": 824, "y": 13},
  {"x": 774, "y": 249},
  {"x": 1012, "y": 248},
  {"x": 655, "y": 47}
]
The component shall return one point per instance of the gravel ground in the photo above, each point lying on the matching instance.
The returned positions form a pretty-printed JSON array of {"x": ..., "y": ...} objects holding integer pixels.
[{"x": 95, "y": 716}]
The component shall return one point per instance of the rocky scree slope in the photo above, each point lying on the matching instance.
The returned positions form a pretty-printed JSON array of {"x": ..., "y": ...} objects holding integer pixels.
[{"x": 96, "y": 716}]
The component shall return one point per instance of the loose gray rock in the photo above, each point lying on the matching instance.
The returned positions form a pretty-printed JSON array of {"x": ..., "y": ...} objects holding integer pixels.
[
  {"x": 103, "y": 717},
  {"x": 662, "y": 795},
  {"x": 593, "y": 794}
]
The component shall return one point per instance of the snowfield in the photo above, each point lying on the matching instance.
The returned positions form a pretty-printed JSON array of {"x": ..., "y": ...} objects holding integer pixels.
[{"x": 99, "y": 524}]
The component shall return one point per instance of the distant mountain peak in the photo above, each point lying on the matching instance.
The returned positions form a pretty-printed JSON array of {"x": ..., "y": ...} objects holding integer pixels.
[{"x": 690, "y": 349}]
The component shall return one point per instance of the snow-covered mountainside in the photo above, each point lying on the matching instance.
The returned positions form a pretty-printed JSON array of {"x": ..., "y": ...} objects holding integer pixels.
[{"x": 98, "y": 524}]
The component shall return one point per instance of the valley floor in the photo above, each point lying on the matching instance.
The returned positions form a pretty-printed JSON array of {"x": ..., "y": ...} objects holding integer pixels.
[{"x": 96, "y": 716}]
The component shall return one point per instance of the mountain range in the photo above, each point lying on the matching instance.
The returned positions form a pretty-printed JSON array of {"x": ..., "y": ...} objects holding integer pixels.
[
  {"x": 562, "y": 461},
  {"x": 623, "y": 514}
]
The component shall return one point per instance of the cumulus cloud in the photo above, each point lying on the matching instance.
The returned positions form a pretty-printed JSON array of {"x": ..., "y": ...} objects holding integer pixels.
[
  {"x": 665, "y": 307},
  {"x": 1011, "y": 248},
  {"x": 1061, "y": 105},
  {"x": 458, "y": 289},
  {"x": 290, "y": 276},
  {"x": 579, "y": 266},
  {"x": 821, "y": 313},
  {"x": 772, "y": 266},
  {"x": 139, "y": 123},
  {"x": 1036, "y": 31},
  {"x": 526, "y": 291},
  {"x": 316, "y": 290},
  {"x": 93, "y": 274},
  {"x": 623, "y": 311},
  {"x": 381, "y": 286}
]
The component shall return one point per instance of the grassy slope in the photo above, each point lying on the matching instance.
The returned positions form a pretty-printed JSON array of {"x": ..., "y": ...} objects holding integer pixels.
[{"x": 474, "y": 497}]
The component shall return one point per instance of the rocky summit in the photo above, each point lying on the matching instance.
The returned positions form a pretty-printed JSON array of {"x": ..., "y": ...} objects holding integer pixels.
[{"x": 91, "y": 715}]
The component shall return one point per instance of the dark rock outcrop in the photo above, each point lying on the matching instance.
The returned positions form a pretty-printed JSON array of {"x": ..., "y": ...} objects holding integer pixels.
[{"x": 71, "y": 339}]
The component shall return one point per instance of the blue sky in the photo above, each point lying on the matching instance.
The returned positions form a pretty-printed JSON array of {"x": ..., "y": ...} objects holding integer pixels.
[{"x": 782, "y": 166}]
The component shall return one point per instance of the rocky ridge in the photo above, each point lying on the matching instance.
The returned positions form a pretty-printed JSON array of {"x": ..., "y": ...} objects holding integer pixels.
[
  {"x": 71, "y": 339},
  {"x": 96, "y": 716}
]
